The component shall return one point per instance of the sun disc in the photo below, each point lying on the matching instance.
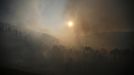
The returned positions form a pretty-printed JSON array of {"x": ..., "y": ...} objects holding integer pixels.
[{"x": 70, "y": 24}]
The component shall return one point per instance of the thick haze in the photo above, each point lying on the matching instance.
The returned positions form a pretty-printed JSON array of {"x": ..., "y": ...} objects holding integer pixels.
[
  {"x": 50, "y": 16},
  {"x": 102, "y": 15},
  {"x": 40, "y": 13},
  {"x": 66, "y": 37},
  {"x": 103, "y": 23}
]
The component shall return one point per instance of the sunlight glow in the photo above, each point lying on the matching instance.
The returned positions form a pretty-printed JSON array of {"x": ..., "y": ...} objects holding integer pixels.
[{"x": 70, "y": 24}]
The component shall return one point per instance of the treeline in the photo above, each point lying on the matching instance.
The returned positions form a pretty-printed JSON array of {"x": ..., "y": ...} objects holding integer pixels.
[{"x": 87, "y": 60}]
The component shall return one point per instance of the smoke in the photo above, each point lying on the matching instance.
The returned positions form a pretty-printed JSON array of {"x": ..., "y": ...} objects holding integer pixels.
[
  {"x": 100, "y": 16},
  {"x": 50, "y": 16},
  {"x": 100, "y": 23}
]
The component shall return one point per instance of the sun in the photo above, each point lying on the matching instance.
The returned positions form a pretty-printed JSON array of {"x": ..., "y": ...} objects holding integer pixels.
[{"x": 70, "y": 24}]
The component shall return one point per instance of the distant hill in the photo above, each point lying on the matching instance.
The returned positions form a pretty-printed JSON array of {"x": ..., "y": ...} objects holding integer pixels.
[
  {"x": 111, "y": 40},
  {"x": 22, "y": 51}
]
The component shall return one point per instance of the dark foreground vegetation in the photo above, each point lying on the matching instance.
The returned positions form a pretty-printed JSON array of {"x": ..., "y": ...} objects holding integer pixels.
[{"x": 89, "y": 62}]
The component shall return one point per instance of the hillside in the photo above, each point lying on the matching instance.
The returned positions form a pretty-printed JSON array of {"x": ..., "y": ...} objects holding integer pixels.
[{"x": 25, "y": 52}]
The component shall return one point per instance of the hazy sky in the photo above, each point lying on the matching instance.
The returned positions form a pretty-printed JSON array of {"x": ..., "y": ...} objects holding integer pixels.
[
  {"x": 51, "y": 15},
  {"x": 46, "y": 13},
  {"x": 103, "y": 15}
]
